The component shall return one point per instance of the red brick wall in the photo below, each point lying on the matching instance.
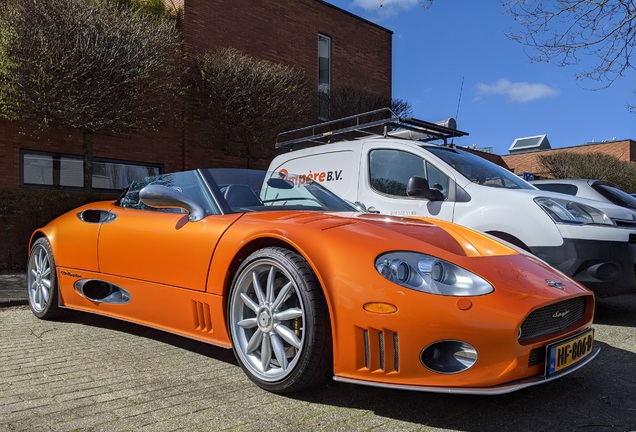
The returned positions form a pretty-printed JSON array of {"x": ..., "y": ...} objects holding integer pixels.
[
  {"x": 162, "y": 147},
  {"x": 529, "y": 162},
  {"x": 286, "y": 31}
]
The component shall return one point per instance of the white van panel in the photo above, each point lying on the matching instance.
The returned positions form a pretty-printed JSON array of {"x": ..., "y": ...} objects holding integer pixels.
[{"x": 336, "y": 170}]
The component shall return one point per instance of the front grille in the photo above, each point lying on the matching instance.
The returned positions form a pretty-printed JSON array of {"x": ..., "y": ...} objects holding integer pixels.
[
  {"x": 552, "y": 319},
  {"x": 624, "y": 223},
  {"x": 537, "y": 356}
]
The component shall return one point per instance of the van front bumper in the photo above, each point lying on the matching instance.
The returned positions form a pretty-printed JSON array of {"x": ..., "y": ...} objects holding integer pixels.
[{"x": 605, "y": 267}]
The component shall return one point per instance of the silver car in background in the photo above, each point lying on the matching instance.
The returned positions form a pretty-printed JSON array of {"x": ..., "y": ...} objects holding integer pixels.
[{"x": 598, "y": 190}]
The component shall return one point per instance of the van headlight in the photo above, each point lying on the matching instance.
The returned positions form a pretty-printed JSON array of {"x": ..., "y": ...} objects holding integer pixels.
[
  {"x": 566, "y": 211},
  {"x": 429, "y": 274}
]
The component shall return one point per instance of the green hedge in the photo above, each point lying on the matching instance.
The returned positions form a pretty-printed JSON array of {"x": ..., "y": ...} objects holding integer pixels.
[{"x": 23, "y": 210}]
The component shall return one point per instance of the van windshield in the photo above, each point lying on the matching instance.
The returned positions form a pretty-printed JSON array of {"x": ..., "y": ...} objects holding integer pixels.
[{"x": 479, "y": 170}]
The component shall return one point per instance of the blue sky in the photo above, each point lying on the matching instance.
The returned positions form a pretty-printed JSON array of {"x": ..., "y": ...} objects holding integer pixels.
[{"x": 505, "y": 96}]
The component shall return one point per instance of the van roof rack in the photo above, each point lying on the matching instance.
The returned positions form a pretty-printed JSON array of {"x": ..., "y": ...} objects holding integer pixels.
[{"x": 382, "y": 122}]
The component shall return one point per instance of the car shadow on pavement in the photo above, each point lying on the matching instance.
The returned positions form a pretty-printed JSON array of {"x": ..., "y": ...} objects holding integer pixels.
[
  {"x": 616, "y": 311},
  {"x": 198, "y": 347},
  {"x": 598, "y": 397}
]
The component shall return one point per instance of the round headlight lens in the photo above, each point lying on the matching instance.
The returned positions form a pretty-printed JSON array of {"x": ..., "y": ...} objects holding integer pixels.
[
  {"x": 437, "y": 272},
  {"x": 430, "y": 274},
  {"x": 402, "y": 271}
]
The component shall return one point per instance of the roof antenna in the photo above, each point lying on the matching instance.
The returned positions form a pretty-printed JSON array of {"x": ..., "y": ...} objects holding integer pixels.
[{"x": 459, "y": 101}]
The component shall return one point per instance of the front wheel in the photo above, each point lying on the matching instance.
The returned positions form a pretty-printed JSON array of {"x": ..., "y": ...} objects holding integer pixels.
[
  {"x": 42, "y": 286},
  {"x": 279, "y": 323}
]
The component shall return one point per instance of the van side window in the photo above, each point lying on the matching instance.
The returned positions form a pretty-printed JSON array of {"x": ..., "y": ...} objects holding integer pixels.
[
  {"x": 390, "y": 170},
  {"x": 437, "y": 180}
]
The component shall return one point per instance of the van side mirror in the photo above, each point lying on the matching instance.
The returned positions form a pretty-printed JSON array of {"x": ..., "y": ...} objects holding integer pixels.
[{"x": 418, "y": 187}]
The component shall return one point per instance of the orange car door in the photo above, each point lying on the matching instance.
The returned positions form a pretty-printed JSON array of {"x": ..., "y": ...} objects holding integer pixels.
[{"x": 160, "y": 247}]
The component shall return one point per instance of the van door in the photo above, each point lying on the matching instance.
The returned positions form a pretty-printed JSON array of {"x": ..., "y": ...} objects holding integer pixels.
[{"x": 384, "y": 176}]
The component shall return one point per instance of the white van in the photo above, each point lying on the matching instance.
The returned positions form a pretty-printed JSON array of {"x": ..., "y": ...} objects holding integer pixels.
[{"x": 367, "y": 160}]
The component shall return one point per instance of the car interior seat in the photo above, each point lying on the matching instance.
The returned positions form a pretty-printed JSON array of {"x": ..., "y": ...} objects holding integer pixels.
[{"x": 239, "y": 196}]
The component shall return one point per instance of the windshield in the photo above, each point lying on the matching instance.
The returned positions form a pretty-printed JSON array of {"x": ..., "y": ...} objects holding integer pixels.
[
  {"x": 478, "y": 170},
  {"x": 253, "y": 190},
  {"x": 616, "y": 195}
]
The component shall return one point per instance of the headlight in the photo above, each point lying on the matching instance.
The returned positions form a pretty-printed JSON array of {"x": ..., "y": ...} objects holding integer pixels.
[
  {"x": 429, "y": 274},
  {"x": 566, "y": 211}
]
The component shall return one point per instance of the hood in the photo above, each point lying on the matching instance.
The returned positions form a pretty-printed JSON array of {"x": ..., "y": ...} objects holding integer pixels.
[{"x": 396, "y": 232}]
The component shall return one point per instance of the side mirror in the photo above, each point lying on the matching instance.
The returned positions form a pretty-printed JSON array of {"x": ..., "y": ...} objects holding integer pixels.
[
  {"x": 362, "y": 208},
  {"x": 280, "y": 183},
  {"x": 418, "y": 187},
  {"x": 159, "y": 196}
]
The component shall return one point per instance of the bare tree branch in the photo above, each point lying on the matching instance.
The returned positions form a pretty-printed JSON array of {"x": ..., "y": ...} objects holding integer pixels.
[
  {"x": 346, "y": 101},
  {"x": 247, "y": 101},
  {"x": 568, "y": 31},
  {"x": 598, "y": 166},
  {"x": 91, "y": 65}
]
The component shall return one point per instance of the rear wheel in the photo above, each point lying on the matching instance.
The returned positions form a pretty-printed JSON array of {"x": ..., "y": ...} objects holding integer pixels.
[
  {"x": 42, "y": 286},
  {"x": 279, "y": 323}
]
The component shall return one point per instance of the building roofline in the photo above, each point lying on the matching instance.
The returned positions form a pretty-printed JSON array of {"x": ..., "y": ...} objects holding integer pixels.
[
  {"x": 355, "y": 16},
  {"x": 587, "y": 144}
]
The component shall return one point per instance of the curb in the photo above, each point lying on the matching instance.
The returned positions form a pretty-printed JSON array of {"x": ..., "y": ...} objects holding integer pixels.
[
  {"x": 13, "y": 290},
  {"x": 15, "y": 302}
]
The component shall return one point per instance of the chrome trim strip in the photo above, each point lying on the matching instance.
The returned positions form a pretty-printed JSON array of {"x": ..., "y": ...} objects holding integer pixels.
[{"x": 496, "y": 390}]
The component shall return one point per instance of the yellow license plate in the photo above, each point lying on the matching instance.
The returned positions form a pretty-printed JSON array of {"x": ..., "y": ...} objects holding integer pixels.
[{"x": 564, "y": 354}]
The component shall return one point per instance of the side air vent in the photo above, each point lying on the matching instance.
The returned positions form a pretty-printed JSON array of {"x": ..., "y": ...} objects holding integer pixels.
[
  {"x": 96, "y": 216},
  {"x": 381, "y": 350},
  {"x": 100, "y": 291},
  {"x": 202, "y": 317}
]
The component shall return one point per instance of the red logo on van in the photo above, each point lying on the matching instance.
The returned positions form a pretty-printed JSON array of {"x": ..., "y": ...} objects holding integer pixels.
[{"x": 321, "y": 177}]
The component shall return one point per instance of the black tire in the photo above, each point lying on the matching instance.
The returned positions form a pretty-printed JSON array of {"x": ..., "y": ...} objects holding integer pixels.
[
  {"x": 42, "y": 288},
  {"x": 279, "y": 323}
]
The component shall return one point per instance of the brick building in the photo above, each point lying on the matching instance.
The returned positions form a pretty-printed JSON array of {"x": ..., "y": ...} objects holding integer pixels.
[
  {"x": 528, "y": 161},
  {"x": 333, "y": 47}
]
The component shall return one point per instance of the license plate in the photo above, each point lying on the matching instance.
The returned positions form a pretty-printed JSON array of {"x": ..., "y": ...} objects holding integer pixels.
[{"x": 564, "y": 354}]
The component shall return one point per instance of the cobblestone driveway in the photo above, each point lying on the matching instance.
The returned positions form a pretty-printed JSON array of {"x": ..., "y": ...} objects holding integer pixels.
[{"x": 91, "y": 373}]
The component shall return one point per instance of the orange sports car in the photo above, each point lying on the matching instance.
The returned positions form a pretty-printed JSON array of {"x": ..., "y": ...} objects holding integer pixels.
[{"x": 303, "y": 286}]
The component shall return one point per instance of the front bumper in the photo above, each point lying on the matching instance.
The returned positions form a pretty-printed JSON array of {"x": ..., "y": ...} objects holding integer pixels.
[
  {"x": 495, "y": 390},
  {"x": 605, "y": 267}
]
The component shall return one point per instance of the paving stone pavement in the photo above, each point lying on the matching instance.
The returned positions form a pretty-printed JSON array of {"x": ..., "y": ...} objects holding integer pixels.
[{"x": 91, "y": 373}]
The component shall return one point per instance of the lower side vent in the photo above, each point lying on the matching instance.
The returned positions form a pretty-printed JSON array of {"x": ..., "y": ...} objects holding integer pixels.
[
  {"x": 202, "y": 318},
  {"x": 381, "y": 350}
]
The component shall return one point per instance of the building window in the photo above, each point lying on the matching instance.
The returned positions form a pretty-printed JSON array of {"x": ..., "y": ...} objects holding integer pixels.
[
  {"x": 63, "y": 171},
  {"x": 324, "y": 76}
]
